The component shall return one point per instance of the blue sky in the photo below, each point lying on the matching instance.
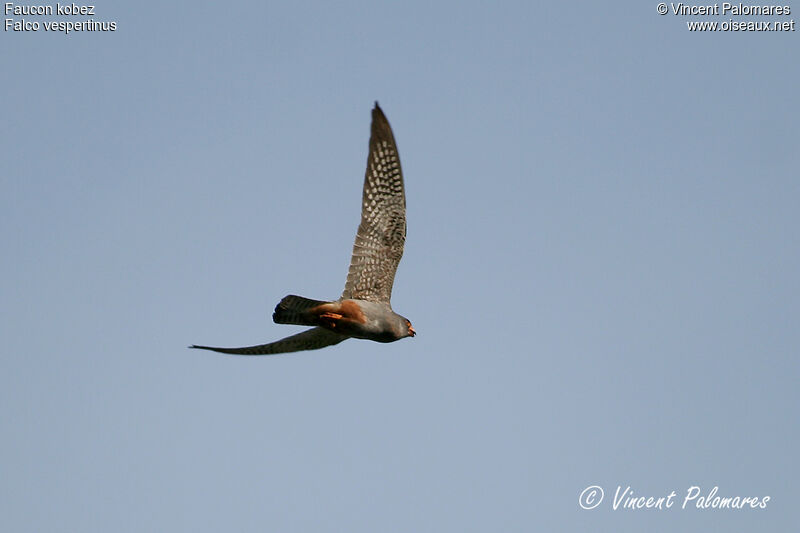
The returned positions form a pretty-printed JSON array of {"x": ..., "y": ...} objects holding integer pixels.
[{"x": 601, "y": 266}]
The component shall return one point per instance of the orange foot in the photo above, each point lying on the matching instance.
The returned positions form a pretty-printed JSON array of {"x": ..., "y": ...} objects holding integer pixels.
[{"x": 329, "y": 319}]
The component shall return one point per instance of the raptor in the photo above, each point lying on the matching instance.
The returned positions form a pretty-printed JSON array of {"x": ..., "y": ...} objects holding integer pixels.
[{"x": 364, "y": 310}]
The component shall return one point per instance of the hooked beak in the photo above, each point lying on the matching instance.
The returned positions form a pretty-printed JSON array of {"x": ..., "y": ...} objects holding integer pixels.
[{"x": 411, "y": 331}]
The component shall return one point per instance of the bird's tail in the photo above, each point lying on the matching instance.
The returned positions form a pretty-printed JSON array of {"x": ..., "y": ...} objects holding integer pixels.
[{"x": 294, "y": 310}]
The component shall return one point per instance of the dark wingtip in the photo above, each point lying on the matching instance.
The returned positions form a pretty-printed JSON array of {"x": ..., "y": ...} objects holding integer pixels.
[{"x": 379, "y": 120}]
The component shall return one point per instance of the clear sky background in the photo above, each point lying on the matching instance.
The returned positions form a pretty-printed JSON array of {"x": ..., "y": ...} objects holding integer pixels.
[{"x": 601, "y": 265}]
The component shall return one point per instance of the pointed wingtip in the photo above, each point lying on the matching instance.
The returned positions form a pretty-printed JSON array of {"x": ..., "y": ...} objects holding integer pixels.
[
  {"x": 379, "y": 119},
  {"x": 199, "y": 347}
]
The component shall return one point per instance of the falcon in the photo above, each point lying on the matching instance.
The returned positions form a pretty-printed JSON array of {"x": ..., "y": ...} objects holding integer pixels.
[{"x": 364, "y": 310}]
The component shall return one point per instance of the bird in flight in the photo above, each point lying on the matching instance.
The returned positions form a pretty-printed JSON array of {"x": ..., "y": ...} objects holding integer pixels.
[{"x": 364, "y": 310}]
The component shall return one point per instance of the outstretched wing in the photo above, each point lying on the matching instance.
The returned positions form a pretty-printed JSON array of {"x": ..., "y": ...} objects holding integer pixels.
[
  {"x": 311, "y": 339},
  {"x": 382, "y": 232}
]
